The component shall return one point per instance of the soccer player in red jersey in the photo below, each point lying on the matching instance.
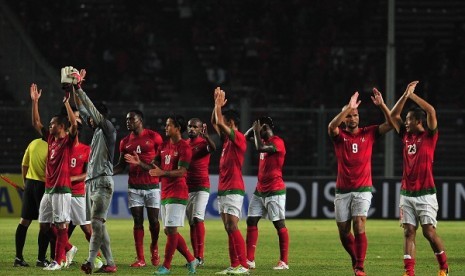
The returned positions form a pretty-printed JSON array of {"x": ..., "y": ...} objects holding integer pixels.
[
  {"x": 269, "y": 198},
  {"x": 198, "y": 183},
  {"x": 171, "y": 164},
  {"x": 418, "y": 202},
  {"x": 231, "y": 189},
  {"x": 80, "y": 204},
  {"x": 353, "y": 147},
  {"x": 55, "y": 204},
  {"x": 143, "y": 189}
]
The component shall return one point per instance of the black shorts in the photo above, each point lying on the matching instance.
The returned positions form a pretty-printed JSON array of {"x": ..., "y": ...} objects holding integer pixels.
[{"x": 32, "y": 196}]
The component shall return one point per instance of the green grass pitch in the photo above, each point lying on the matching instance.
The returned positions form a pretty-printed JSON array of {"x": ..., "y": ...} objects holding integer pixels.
[{"x": 314, "y": 249}]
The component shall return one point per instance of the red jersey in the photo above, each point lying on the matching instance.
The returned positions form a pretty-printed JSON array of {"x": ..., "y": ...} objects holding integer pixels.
[
  {"x": 57, "y": 172},
  {"x": 79, "y": 159},
  {"x": 232, "y": 157},
  {"x": 197, "y": 175},
  {"x": 353, "y": 152},
  {"x": 270, "y": 169},
  {"x": 145, "y": 145},
  {"x": 418, "y": 154},
  {"x": 172, "y": 156}
]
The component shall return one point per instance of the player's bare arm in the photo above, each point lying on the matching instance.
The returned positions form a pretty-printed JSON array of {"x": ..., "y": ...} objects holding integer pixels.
[
  {"x": 431, "y": 119},
  {"x": 333, "y": 129},
  {"x": 249, "y": 134},
  {"x": 135, "y": 160},
  {"x": 220, "y": 101},
  {"x": 259, "y": 145},
  {"x": 204, "y": 134},
  {"x": 179, "y": 172},
  {"x": 78, "y": 178},
  {"x": 378, "y": 100},
  {"x": 213, "y": 117},
  {"x": 35, "y": 96},
  {"x": 71, "y": 117},
  {"x": 396, "y": 119}
]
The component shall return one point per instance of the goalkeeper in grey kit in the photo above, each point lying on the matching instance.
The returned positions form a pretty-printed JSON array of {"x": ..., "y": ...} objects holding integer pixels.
[{"x": 99, "y": 180}]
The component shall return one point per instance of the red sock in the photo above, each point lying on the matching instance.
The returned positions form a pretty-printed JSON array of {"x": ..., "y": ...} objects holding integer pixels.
[
  {"x": 239, "y": 246},
  {"x": 183, "y": 249},
  {"x": 252, "y": 238},
  {"x": 138, "y": 233},
  {"x": 62, "y": 241},
  {"x": 409, "y": 265},
  {"x": 154, "y": 232},
  {"x": 348, "y": 242},
  {"x": 200, "y": 232},
  {"x": 68, "y": 246},
  {"x": 360, "y": 249},
  {"x": 232, "y": 251},
  {"x": 53, "y": 241},
  {"x": 442, "y": 260},
  {"x": 170, "y": 249},
  {"x": 283, "y": 235},
  {"x": 193, "y": 233}
]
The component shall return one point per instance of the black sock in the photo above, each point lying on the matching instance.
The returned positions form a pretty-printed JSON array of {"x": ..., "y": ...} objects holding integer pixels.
[
  {"x": 42, "y": 241},
  {"x": 20, "y": 240},
  {"x": 71, "y": 228}
]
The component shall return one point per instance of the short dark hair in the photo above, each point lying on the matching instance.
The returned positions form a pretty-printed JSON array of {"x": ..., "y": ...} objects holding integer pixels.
[
  {"x": 196, "y": 120},
  {"x": 418, "y": 113},
  {"x": 62, "y": 120},
  {"x": 232, "y": 114},
  {"x": 266, "y": 120},
  {"x": 138, "y": 113},
  {"x": 179, "y": 121}
]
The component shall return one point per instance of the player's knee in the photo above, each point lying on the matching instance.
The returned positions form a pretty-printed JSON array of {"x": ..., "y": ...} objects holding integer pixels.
[
  {"x": 196, "y": 220},
  {"x": 252, "y": 221},
  {"x": 170, "y": 230},
  {"x": 25, "y": 222},
  {"x": 230, "y": 227},
  {"x": 429, "y": 233},
  {"x": 44, "y": 228},
  {"x": 409, "y": 231},
  {"x": 279, "y": 224}
]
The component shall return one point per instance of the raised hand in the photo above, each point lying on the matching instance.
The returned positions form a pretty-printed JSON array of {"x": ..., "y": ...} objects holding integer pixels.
[
  {"x": 83, "y": 74},
  {"x": 156, "y": 171},
  {"x": 410, "y": 88},
  {"x": 220, "y": 97},
  {"x": 204, "y": 131},
  {"x": 132, "y": 158},
  {"x": 256, "y": 126},
  {"x": 354, "y": 102},
  {"x": 35, "y": 92},
  {"x": 377, "y": 98}
]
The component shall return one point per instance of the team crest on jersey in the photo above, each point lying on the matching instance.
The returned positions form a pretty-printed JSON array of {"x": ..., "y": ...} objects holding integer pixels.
[
  {"x": 363, "y": 139},
  {"x": 175, "y": 153}
]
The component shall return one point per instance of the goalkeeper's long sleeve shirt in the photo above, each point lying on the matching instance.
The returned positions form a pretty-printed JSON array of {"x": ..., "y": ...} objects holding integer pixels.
[{"x": 103, "y": 141}]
